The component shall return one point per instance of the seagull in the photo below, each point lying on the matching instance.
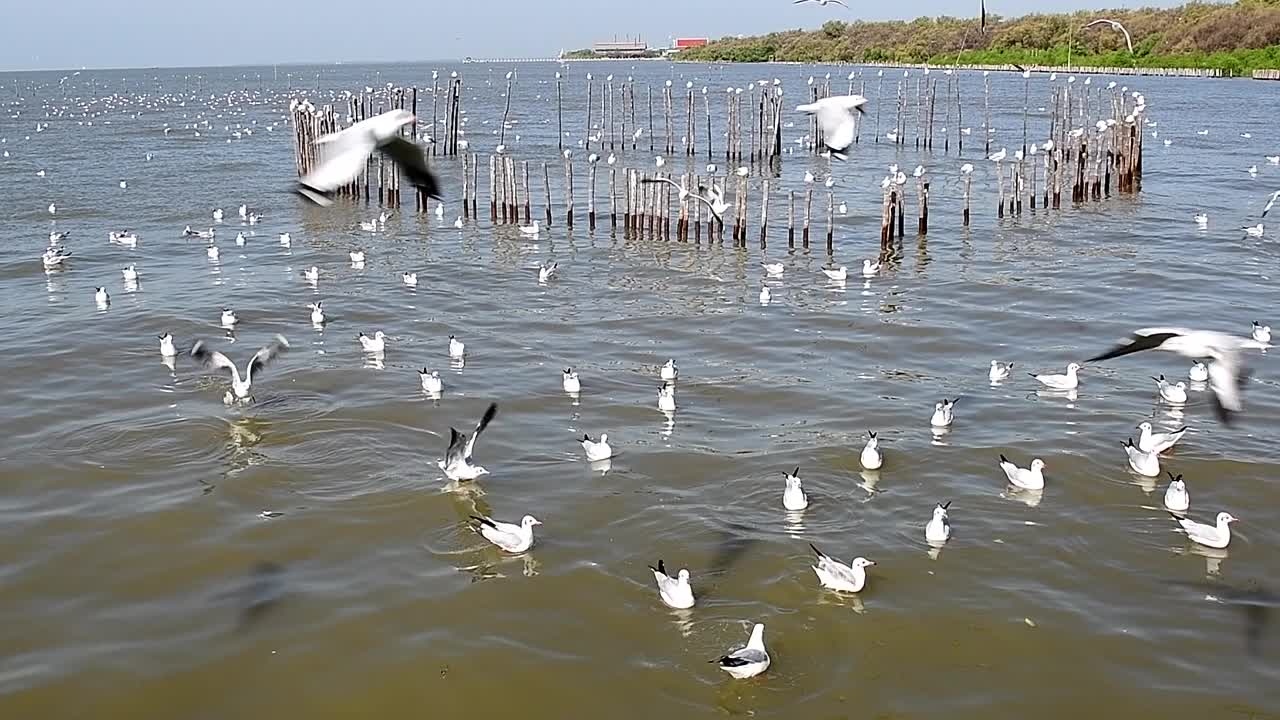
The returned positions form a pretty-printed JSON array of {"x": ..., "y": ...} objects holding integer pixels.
[
  {"x": 458, "y": 223},
  {"x": 101, "y": 297},
  {"x": 793, "y": 498},
  {"x": 345, "y": 153},
  {"x": 1069, "y": 381},
  {"x": 130, "y": 274},
  {"x": 838, "y": 274},
  {"x": 457, "y": 348},
  {"x": 871, "y": 458},
  {"x": 1199, "y": 372},
  {"x": 312, "y": 274},
  {"x": 1252, "y": 170},
  {"x": 1171, "y": 393},
  {"x": 317, "y": 315},
  {"x": 54, "y": 257},
  {"x": 999, "y": 155},
  {"x": 943, "y": 413},
  {"x": 167, "y": 348},
  {"x": 1226, "y": 374},
  {"x": 834, "y": 575},
  {"x": 1176, "y": 497},
  {"x": 57, "y": 237},
  {"x": 546, "y": 271},
  {"x": 530, "y": 230},
  {"x": 765, "y": 295},
  {"x": 1032, "y": 479},
  {"x": 1270, "y": 203},
  {"x": 357, "y": 257},
  {"x": 1273, "y": 159},
  {"x": 375, "y": 344},
  {"x": 834, "y": 114},
  {"x": 669, "y": 370},
  {"x": 1208, "y": 535},
  {"x": 1201, "y": 219},
  {"x": 1153, "y": 442},
  {"x": 712, "y": 201},
  {"x": 1261, "y": 333},
  {"x": 409, "y": 278},
  {"x": 938, "y": 531},
  {"x": 1254, "y": 230},
  {"x": 843, "y": 208},
  {"x": 509, "y": 537},
  {"x": 431, "y": 381},
  {"x": 457, "y": 458},
  {"x": 285, "y": 240},
  {"x": 870, "y": 268},
  {"x": 667, "y": 397},
  {"x": 240, "y": 385},
  {"x": 569, "y": 379},
  {"x": 1143, "y": 463},
  {"x": 999, "y": 371},
  {"x": 229, "y": 318},
  {"x": 212, "y": 251},
  {"x": 823, "y": 3},
  {"x": 753, "y": 659},
  {"x": 240, "y": 239},
  {"x": 217, "y": 215},
  {"x": 674, "y": 591},
  {"x": 597, "y": 449},
  {"x": 808, "y": 177},
  {"x": 773, "y": 269},
  {"x": 244, "y": 212}
]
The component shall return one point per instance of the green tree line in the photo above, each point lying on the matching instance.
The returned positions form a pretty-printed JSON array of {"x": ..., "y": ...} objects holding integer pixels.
[{"x": 1236, "y": 37}]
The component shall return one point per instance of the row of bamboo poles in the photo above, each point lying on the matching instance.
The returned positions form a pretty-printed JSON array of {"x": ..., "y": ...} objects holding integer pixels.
[{"x": 1091, "y": 161}]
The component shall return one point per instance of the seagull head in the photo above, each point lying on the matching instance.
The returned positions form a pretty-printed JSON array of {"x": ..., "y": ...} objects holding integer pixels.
[
  {"x": 861, "y": 562},
  {"x": 1144, "y": 426},
  {"x": 528, "y": 521},
  {"x": 1037, "y": 464},
  {"x": 1225, "y": 518},
  {"x": 1073, "y": 367}
]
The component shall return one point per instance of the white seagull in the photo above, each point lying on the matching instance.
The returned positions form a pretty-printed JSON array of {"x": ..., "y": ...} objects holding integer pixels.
[
  {"x": 834, "y": 575},
  {"x": 1174, "y": 394},
  {"x": 1153, "y": 442},
  {"x": 674, "y": 591},
  {"x": 240, "y": 385},
  {"x": 1218, "y": 536},
  {"x": 409, "y": 278},
  {"x": 1176, "y": 497},
  {"x": 101, "y": 297},
  {"x": 530, "y": 230},
  {"x": 375, "y": 344},
  {"x": 1027, "y": 479},
  {"x": 510, "y": 537},
  {"x": 748, "y": 661},
  {"x": 167, "y": 348},
  {"x": 1260, "y": 332},
  {"x": 597, "y": 449},
  {"x": 456, "y": 347},
  {"x": 708, "y": 197},
  {"x": 345, "y": 153},
  {"x": 871, "y": 457},
  {"x": 546, "y": 271},
  {"x": 130, "y": 273},
  {"x": 667, "y": 397},
  {"x": 999, "y": 371},
  {"x": 317, "y": 315},
  {"x": 669, "y": 370},
  {"x": 1201, "y": 219},
  {"x": 793, "y": 497},
  {"x": 1143, "y": 463},
  {"x": 870, "y": 267},
  {"x": 1254, "y": 230},
  {"x": 1069, "y": 381},
  {"x": 943, "y": 413},
  {"x": 838, "y": 274},
  {"x": 431, "y": 381},
  {"x": 774, "y": 269},
  {"x": 1226, "y": 373},
  {"x": 54, "y": 257},
  {"x": 1199, "y": 372},
  {"x": 938, "y": 531},
  {"x": 457, "y": 462},
  {"x": 229, "y": 318},
  {"x": 835, "y": 116},
  {"x": 569, "y": 379}
]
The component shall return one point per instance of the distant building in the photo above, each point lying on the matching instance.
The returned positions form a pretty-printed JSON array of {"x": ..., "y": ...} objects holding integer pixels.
[
  {"x": 621, "y": 48},
  {"x": 686, "y": 43}
]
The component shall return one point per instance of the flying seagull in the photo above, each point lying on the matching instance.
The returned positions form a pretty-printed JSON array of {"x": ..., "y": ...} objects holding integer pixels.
[
  {"x": 1226, "y": 374},
  {"x": 1104, "y": 21},
  {"x": 715, "y": 202},
  {"x": 240, "y": 385},
  {"x": 457, "y": 458},
  {"x": 835, "y": 119},
  {"x": 823, "y": 3},
  {"x": 345, "y": 153}
]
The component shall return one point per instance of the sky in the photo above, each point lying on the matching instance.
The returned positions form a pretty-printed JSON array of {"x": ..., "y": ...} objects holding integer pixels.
[{"x": 65, "y": 34}]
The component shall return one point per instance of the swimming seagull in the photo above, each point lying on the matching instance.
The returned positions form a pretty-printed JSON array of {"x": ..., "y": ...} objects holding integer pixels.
[
  {"x": 509, "y": 537},
  {"x": 431, "y": 381},
  {"x": 1153, "y": 442},
  {"x": 597, "y": 449},
  {"x": 345, "y": 153},
  {"x": 1143, "y": 463},
  {"x": 375, "y": 344},
  {"x": 409, "y": 278},
  {"x": 57, "y": 237},
  {"x": 674, "y": 591},
  {"x": 569, "y": 379},
  {"x": 1027, "y": 479},
  {"x": 1201, "y": 219},
  {"x": 999, "y": 371},
  {"x": 458, "y": 223},
  {"x": 870, "y": 267},
  {"x": 938, "y": 531},
  {"x": 1176, "y": 497},
  {"x": 357, "y": 257},
  {"x": 793, "y": 498},
  {"x": 835, "y": 115},
  {"x": 1171, "y": 393},
  {"x": 1254, "y": 230},
  {"x": 773, "y": 269},
  {"x": 838, "y": 274},
  {"x": 1069, "y": 381},
  {"x": 54, "y": 257},
  {"x": 457, "y": 462},
  {"x": 229, "y": 318},
  {"x": 101, "y": 297},
  {"x": 130, "y": 273},
  {"x": 765, "y": 295},
  {"x": 943, "y": 413},
  {"x": 167, "y": 348},
  {"x": 546, "y": 271},
  {"x": 1260, "y": 332},
  {"x": 1226, "y": 374},
  {"x": 240, "y": 385},
  {"x": 312, "y": 274},
  {"x": 317, "y": 315},
  {"x": 871, "y": 458},
  {"x": 457, "y": 348},
  {"x": 751, "y": 660},
  {"x": 1218, "y": 536},
  {"x": 669, "y": 370},
  {"x": 834, "y": 575},
  {"x": 530, "y": 230},
  {"x": 667, "y": 397}
]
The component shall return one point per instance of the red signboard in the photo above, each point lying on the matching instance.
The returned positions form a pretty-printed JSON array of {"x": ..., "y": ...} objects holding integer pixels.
[{"x": 682, "y": 43}]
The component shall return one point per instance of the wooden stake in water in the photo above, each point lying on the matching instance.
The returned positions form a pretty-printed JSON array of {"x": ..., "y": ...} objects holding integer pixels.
[
  {"x": 831, "y": 223},
  {"x": 764, "y": 212},
  {"x": 568, "y": 192},
  {"x": 791, "y": 218},
  {"x": 591, "y": 196},
  {"x": 546, "y": 188},
  {"x": 986, "y": 109},
  {"x": 968, "y": 182},
  {"x": 808, "y": 209},
  {"x": 559, "y": 112}
]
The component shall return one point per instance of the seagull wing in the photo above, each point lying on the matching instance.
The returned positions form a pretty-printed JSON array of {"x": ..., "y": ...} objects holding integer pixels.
[
  {"x": 454, "y": 454},
  {"x": 265, "y": 355},
  {"x": 1144, "y": 339},
  {"x": 1226, "y": 379},
  {"x": 710, "y": 206},
  {"x": 668, "y": 181},
  {"x": 342, "y": 158},
  {"x": 413, "y": 164},
  {"x": 213, "y": 359},
  {"x": 489, "y": 413}
]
